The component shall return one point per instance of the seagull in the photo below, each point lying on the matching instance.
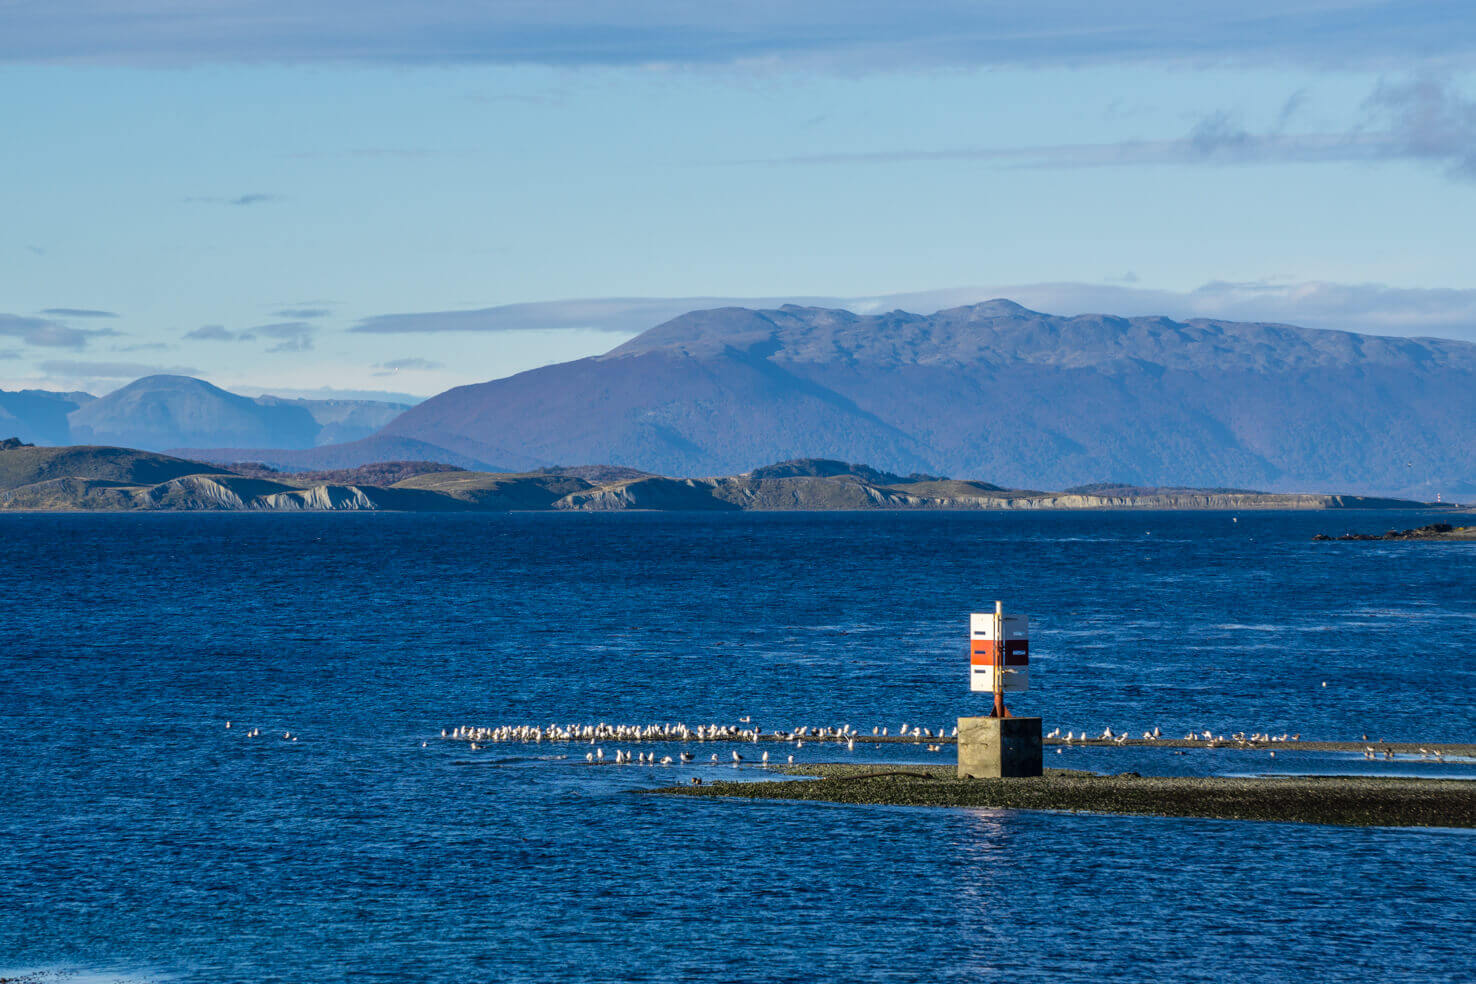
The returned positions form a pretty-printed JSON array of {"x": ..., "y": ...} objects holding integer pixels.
[{"x": 737, "y": 758}]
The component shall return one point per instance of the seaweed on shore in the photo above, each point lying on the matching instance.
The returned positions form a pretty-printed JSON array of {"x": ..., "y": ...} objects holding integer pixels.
[{"x": 1341, "y": 800}]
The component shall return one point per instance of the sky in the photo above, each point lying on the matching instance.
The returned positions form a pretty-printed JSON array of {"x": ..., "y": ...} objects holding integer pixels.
[{"x": 392, "y": 197}]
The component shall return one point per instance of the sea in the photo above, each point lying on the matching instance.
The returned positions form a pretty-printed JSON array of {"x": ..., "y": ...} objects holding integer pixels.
[{"x": 330, "y": 834}]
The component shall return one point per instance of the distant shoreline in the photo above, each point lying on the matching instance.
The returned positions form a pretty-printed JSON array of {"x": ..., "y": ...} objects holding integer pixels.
[{"x": 108, "y": 479}]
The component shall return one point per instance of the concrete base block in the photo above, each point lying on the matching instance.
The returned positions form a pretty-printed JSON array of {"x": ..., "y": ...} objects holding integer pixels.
[{"x": 996, "y": 748}]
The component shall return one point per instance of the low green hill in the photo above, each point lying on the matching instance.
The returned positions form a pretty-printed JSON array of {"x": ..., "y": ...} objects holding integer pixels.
[
  {"x": 491, "y": 490},
  {"x": 29, "y": 465}
]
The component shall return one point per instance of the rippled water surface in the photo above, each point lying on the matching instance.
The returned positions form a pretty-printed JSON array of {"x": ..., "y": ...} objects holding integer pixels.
[{"x": 141, "y": 839}]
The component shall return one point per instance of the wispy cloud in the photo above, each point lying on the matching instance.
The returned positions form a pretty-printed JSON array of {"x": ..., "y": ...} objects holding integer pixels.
[
  {"x": 1426, "y": 120},
  {"x": 1215, "y": 139},
  {"x": 369, "y": 153},
  {"x": 410, "y": 363},
  {"x": 66, "y": 312},
  {"x": 303, "y": 313},
  {"x": 848, "y": 35},
  {"x": 293, "y": 336},
  {"x": 217, "y": 333},
  {"x": 1429, "y": 119},
  {"x": 110, "y": 370},
  {"x": 253, "y": 198},
  {"x": 48, "y": 333},
  {"x": 613, "y": 314}
]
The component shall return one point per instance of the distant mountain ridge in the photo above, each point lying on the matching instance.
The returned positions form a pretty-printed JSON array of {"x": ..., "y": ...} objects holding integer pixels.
[
  {"x": 165, "y": 411},
  {"x": 994, "y": 390},
  {"x": 39, "y": 416}
]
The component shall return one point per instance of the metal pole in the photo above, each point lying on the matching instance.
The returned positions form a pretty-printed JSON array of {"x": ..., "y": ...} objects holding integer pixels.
[{"x": 999, "y": 661}]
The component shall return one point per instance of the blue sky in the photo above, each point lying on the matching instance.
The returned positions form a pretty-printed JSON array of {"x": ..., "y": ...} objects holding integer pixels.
[{"x": 406, "y": 197}]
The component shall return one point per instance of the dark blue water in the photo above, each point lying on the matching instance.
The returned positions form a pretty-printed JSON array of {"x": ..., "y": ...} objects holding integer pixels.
[{"x": 141, "y": 838}]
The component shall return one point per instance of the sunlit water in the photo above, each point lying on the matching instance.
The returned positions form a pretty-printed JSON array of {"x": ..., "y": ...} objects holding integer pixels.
[{"x": 142, "y": 840}]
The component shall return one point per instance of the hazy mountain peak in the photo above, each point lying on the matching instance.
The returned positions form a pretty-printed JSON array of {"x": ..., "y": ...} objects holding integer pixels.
[
  {"x": 999, "y": 307},
  {"x": 1000, "y": 331}
]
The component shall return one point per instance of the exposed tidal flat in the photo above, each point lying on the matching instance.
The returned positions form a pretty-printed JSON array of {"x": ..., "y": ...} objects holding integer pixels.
[
  {"x": 1349, "y": 800},
  {"x": 143, "y": 840}
]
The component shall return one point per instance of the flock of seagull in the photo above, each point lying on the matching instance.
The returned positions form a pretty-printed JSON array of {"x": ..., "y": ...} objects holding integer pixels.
[
  {"x": 1209, "y": 738},
  {"x": 256, "y": 733},
  {"x": 746, "y": 731}
]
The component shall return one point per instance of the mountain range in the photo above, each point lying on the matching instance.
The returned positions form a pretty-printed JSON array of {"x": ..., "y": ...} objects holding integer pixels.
[
  {"x": 161, "y": 412},
  {"x": 994, "y": 391},
  {"x": 991, "y": 391}
]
